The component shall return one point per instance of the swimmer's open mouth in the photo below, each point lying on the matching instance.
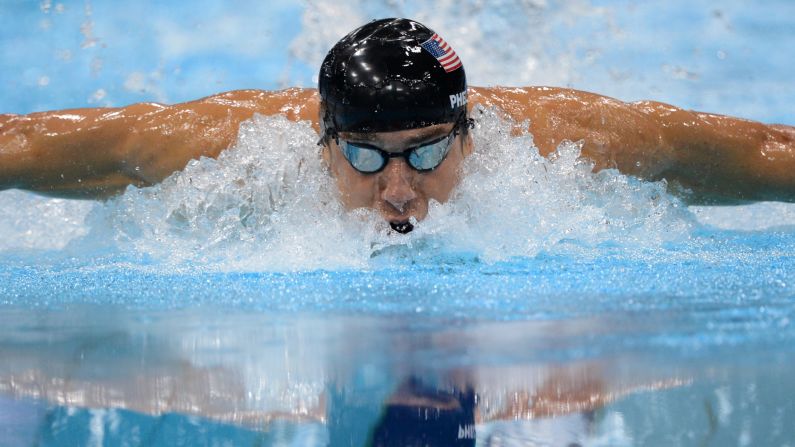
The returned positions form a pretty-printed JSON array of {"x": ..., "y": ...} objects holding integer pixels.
[{"x": 402, "y": 227}]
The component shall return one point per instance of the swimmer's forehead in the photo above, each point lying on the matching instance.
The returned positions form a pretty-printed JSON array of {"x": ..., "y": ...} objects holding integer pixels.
[{"x": 400, "y": 138}]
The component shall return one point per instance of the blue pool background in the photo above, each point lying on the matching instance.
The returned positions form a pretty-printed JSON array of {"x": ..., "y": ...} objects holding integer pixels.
[
  {"x": 697, "y": 55},
  {"x": 716, "y": 306}
]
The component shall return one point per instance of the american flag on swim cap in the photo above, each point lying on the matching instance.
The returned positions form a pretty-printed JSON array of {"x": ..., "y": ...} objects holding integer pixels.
[{"x": 443, "y": 52}]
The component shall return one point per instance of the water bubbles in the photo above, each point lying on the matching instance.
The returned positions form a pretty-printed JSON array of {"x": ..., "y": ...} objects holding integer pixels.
[
  {"x": 269, "y": 204},
  {"x": 513, "y": 202}
]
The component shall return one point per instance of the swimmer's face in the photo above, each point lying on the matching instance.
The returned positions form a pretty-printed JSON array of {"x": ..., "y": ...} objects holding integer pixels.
[{"x": 398, "y": 192}]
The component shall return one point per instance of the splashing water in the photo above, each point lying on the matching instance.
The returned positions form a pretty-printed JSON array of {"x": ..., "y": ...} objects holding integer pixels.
[
  {"x": 514, "y": 202},
  {"x": 268, "y": 203}
]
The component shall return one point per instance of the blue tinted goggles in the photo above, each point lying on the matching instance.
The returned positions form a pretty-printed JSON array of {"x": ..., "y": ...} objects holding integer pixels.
[{"x": 369, "y": 159}]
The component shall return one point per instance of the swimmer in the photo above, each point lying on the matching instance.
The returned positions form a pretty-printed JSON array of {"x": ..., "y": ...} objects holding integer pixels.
[{"x": 393, "y": 112}]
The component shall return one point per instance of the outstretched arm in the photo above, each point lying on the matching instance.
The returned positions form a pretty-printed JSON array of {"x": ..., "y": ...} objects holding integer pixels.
[
  {"x": 721, "y": 159},
  {"x": 94, "y": 153},
  {"x": 707, "y": 158}
]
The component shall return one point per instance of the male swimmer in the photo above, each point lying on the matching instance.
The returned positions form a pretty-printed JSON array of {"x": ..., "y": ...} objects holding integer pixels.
[{"x": 393, "y": 111}]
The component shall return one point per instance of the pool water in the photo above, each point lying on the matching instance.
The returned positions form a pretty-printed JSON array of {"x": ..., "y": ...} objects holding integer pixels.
[{"x": 236, "y": 303}]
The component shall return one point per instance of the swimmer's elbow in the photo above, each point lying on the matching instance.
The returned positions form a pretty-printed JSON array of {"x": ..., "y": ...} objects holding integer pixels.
[{"x": 144, "y": 146}]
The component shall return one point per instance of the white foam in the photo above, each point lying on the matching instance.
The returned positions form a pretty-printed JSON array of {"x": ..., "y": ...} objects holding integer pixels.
[
  {"x": 33, "y": 222},
  {"x": 268, "y": 204},
  {"x": 514, "y": 202},
  {"x": 265, "y": 203},
  {"x": 752, "y": 217}
]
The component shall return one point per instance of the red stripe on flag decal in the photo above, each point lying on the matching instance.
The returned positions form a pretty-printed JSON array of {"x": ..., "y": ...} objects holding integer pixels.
[
  {"x": 448, "y": 59},
  {"x": 449, "y": 69}
]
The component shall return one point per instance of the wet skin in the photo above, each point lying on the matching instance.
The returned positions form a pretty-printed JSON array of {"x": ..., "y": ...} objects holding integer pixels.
[
  {"x": 96, "y": 153},
  {"x": 398, "y": 192}
]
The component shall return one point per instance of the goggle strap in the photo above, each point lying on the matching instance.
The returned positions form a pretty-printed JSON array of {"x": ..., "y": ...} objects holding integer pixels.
[{"x": 330, "y": 133}]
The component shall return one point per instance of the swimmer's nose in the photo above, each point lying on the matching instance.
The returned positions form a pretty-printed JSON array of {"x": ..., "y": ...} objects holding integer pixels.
[{"x": 396, "y": 186}]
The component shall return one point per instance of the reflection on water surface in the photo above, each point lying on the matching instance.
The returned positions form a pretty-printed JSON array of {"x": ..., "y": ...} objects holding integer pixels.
[{"x": 103, "y": 375}]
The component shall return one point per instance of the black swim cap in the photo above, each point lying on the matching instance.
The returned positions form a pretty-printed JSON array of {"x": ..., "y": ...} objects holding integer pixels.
[{"x": 391, "y": 74}]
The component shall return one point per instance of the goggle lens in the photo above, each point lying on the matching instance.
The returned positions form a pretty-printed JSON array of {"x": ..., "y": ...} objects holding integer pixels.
[
  {"x": 362, "y": 158},
  {"x": 368, "y": 159},
  {"x": 425, "y": 158}
]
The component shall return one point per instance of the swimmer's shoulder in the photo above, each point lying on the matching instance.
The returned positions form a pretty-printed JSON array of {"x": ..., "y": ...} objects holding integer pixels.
[
  {"x": 553, "y": 114},
  {"x": 295, "y": 103},
  {"x": 522, "y": 103}
]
